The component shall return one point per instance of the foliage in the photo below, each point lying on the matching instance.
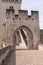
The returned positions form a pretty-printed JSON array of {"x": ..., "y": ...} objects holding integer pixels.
[{"x": 41, "y": 35}]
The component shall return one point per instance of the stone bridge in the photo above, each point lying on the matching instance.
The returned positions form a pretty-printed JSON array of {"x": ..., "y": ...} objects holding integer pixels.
[{"x": 11, "y": 56}]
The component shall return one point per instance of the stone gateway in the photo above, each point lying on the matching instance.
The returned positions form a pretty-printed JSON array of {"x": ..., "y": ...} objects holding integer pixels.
[{"x": 17, "y": 28}]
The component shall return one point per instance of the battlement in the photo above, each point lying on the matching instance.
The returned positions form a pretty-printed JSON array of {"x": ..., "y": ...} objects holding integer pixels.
[
  {"x": 10, "y": 10},
  {"x": 35, "y": 14},
  {"x": 12, "y": 1},
  {"x": 20, "y": 12},
  {"x": 24, "y": 13}
]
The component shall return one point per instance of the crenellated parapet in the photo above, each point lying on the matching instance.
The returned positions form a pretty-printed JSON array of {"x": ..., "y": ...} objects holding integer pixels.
[
  {"x": 10, "y": 10},
  {"x": 35, "y": 14},
  {"x": 22, "y": 14},
  {"x": 12, "y": 1}
]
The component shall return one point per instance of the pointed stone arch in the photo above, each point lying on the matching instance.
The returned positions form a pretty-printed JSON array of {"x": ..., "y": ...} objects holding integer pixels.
[{"x": 29, "y": 41}]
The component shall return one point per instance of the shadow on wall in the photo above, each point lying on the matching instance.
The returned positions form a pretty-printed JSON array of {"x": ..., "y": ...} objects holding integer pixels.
[{"x": 10, "y": 59}]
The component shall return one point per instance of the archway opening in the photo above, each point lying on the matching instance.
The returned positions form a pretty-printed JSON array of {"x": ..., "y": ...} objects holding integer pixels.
[{"x": 23, "y": 38}]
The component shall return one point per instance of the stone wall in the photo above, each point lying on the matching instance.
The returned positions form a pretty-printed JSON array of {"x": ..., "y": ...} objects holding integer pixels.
[
  {"x": 3, "y": 53},
  {"x": 12, "y": 21}
]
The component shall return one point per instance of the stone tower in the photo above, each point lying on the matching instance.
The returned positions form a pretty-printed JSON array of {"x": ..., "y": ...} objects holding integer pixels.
[
  {"x": 14, "y": 22},
  {"x": 4, "y": 5}
]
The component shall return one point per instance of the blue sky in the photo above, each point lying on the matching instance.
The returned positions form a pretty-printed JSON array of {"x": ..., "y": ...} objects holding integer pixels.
[{"x": 34, "y": 5}]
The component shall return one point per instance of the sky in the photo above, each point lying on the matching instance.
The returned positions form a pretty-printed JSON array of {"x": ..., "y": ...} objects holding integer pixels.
[{"x": 34, "y": 5}]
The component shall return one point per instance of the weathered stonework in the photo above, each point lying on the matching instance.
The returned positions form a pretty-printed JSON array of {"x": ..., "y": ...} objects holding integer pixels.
[{"x": 12, "y": 18}]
